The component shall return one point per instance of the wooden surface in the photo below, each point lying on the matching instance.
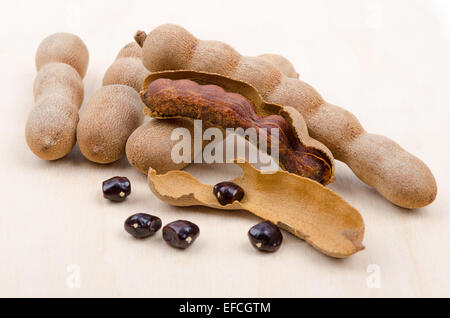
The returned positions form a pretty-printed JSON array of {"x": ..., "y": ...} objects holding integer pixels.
[{"x": 386, "y": 61}]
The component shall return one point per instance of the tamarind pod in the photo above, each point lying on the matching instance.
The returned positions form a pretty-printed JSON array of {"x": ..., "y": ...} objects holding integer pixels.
[
  {"x": 225, "y": 103},
  {"x": 150, "y": 144},
  {"x": 107, "y": 120},
  {"x": 296, "y": 204},
  {"x": 61, "y": 61},
  {"x": 396, "y": 174}
]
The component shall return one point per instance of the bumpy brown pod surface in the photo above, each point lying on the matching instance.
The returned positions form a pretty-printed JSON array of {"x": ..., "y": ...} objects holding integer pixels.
[
  {"x": 127, "y": 69},
  {"x": 281, "y": 63},
  {"x": 378, "y": 161},
  {"x": 150, "y": 145},
  {"x": 108, "y": 119},
  {"x": 226, "y": 103},
  {"x": 61, "y": 61},
  {"x": 64, "y": 48},
  {"x": 296, "y": 204}
]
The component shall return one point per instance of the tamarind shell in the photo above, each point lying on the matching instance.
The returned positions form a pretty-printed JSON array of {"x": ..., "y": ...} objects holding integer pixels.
[{"x": 296, "y": 204}]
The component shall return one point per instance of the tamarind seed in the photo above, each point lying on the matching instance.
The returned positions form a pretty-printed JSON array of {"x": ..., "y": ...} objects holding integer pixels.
[
  {"x": 228, "y": 192},
  {"x": 142, "y": 225},
  {"x": 116, "y": 189},
  {"x": 181, "y": 233},
  {"x": 265, "y": 236}
]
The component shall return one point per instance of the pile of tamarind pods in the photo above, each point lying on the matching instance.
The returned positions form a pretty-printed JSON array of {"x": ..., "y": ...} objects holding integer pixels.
[{"x": 170, "y": 75}]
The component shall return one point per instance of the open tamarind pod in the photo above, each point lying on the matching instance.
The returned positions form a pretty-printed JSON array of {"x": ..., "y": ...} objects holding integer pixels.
[
  {"x": 150, "y": 145},
  {"x": 296, "y": 204},
  {"x": 399, "y": 176},
  {"x": 226, "y": 103}
]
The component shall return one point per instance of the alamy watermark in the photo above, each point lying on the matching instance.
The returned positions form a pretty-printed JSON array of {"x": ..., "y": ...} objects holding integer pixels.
[
  {"x": 266, "y": 140},
  {"x": 73, "y": 280},
  {"x": 374, "y": 278}
]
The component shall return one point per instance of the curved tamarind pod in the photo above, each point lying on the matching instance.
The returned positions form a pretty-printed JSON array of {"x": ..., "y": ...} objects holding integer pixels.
[
  {"x": 226, "y": 103},
  {"x": 399, "y": 176},
  {"x": 296, "y": 204},
  {"x": 127, "y": 69}
]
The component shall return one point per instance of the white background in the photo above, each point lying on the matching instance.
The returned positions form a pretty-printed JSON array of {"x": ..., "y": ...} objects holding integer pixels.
[{"x": 385, "y": 61}]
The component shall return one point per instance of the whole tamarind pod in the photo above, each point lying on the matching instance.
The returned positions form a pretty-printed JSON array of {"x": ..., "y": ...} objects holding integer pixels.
[
  {"x": 127, "y": 69},
  {"x": 61, "y": 61},
  {"x": 399, "y": 176},
  {"x": 108, "y": 119},
  {"x": 115, "y": 111}
]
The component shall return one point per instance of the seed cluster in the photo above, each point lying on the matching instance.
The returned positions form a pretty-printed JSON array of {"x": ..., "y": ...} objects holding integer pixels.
[{"x": 181, "y": 234}]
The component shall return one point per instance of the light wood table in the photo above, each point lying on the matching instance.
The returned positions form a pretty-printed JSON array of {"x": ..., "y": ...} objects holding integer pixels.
[{"x": 386, "y": 61}]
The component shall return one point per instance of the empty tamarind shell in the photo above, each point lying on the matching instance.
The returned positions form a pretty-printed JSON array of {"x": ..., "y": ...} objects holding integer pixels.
[
  {"x": 296, "y": 204},
  {"x": 227, "y": 103}
]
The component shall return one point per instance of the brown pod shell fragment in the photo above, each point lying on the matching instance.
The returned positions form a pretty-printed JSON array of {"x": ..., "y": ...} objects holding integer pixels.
[
  {"x": 301, "y": 206},
  {"x": 226, "y": 103}
]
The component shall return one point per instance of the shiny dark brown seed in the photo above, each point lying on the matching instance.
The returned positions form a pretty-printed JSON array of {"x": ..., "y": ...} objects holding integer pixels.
[
  {"x": 142, "y": 225},
  {"x": 181, "y": 233},
  {"x": 265, "y": 236},
  {"x": 228, "y": 192},
  {"x": 116, "y": 189}
]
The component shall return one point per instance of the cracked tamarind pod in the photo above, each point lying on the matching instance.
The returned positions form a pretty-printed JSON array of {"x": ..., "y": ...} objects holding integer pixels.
[
  {"x": 61, "y": 62},
  {"x": 399, "y": 176},
  {"x": 296, "y": 204},
  {"x": 225, "y": 103},
  {"x": 150, "y": 145}
]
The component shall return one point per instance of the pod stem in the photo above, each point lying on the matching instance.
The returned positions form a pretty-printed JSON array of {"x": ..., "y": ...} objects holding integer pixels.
[{"x": 140, "y": 37}]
